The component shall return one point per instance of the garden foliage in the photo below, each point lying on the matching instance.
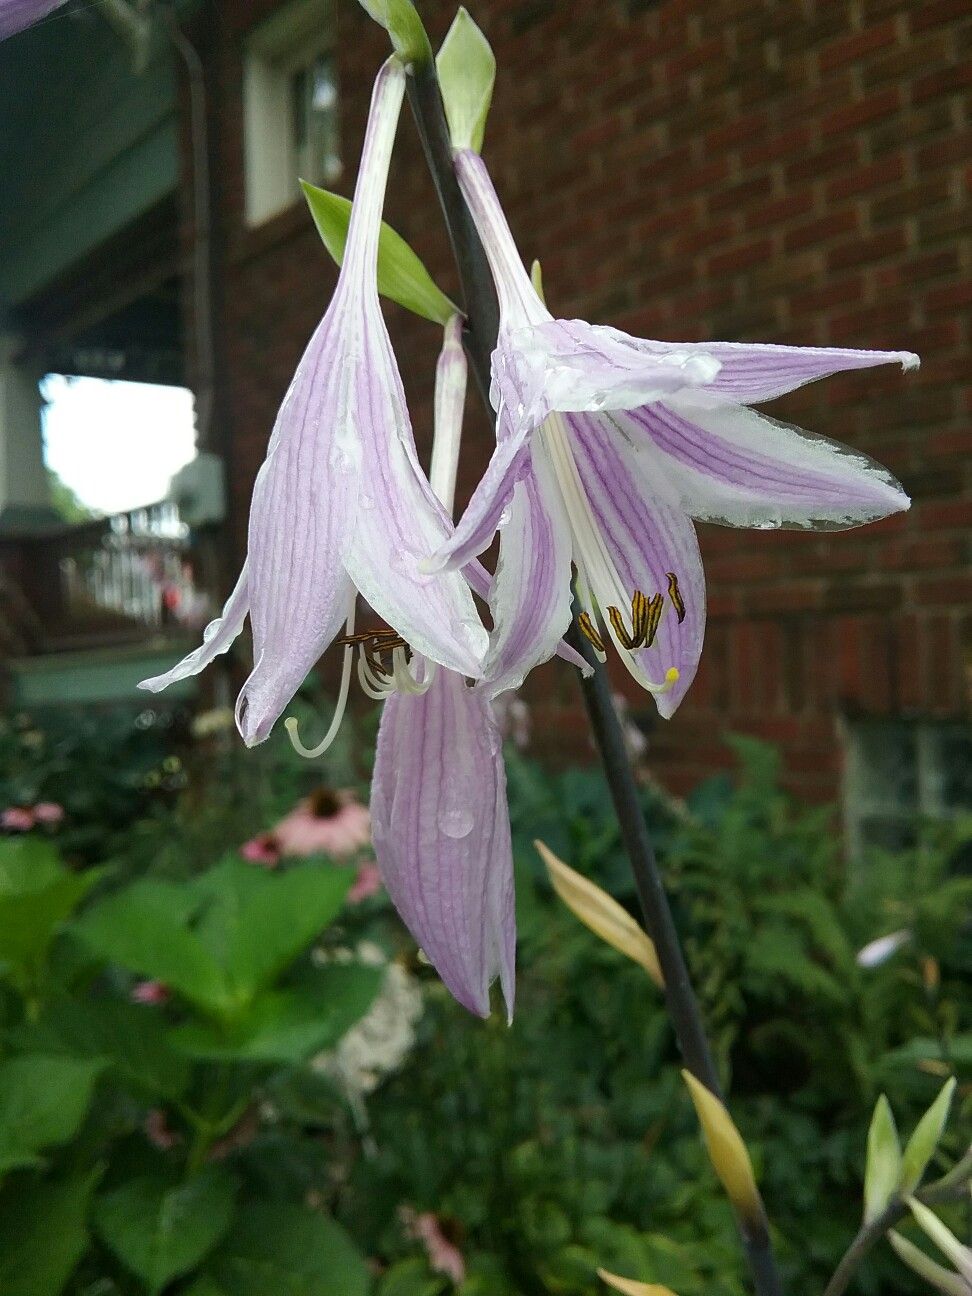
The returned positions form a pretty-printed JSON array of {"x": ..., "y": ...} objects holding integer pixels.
[{"x": 187, "y": 1145}]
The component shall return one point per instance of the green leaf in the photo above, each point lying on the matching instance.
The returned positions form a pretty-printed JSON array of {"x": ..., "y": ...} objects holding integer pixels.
[
  {"x": 256, "y": 923},
  {"x": 279, "y": 1249},
  {"x": 467, "y": 70},
  {"x": 401, "y": 20},
  {"x": 42, "y": 1234},
  {"x": 288, "y": 1026},
  {"x": 134, "y": 1039},
  {"x": 411, "y": 1278},
  {"x": 27, "y": 864},
  {"x": 883, "y": 1169},
  {"x": 923, "y": 1142},
  {"x": 401, "y": 275},
  {"x": 43, "y": 1100},
  {"x": 29, "y": 919},
  {"x": 145, "y": 928},
  {"x": 160, "y": 1230}
]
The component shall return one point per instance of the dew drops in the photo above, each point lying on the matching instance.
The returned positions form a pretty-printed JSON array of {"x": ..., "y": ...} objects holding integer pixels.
[{"x": 455, "y": 821}]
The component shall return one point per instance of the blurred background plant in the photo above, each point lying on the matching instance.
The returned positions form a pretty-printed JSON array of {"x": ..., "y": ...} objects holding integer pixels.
[{"x": 228, "y": 1071}]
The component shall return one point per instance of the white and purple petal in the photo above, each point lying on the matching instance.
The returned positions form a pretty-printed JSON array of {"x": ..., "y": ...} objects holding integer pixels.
[
  {"x": 218, "y": 638},
  {"x": 643, "y": 540},
  {"x": 401, "y": 524},
  {"x": 15, "y": 15},
  {"x": 530, "y": 597},
  {"x": 440, "y": 826},
  {"x": 734, "y": 465}
]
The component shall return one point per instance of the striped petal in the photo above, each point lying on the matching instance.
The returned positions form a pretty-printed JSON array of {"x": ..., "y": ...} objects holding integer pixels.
[
  {"x": 218, "y": 638},
  {"x": 733, "y": 465},
  {"x": 400, "y": 524},
  {"x": 530, "y": 597},
  {"x": 441, "y": 832},
  {"x": 15, "y": 15},
  {"x": 487, "y": 510},
  {"x": 641, "y": 540}
]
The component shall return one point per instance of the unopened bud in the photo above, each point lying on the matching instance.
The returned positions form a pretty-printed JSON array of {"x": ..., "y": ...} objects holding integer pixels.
[
  {"x": 601, "y": 913},
  {"x": 727, "y": 1151},
  {"x": 630, "y": 1287}
]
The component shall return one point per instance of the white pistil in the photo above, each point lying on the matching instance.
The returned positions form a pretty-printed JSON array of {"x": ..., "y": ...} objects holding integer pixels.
[
  {"x": 595, "y": 566},
  {"x": 290, "y": 724}
]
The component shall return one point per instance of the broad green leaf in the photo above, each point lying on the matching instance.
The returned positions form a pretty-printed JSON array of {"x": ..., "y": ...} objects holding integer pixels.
[
  {"x": 42, "y": 1234},
  {"x": 923, "y": 1142},
  {"x": 160, "y": 1230},
  {"x": 467, "y": 70},
  {"x": 43, "y": 1100},
  {"x": 29, "y": 919},
  {"x": 203, "y": 1287},
  {"x": 882, "y": 1172},
  {"x": 401, "y": 20},
  {"x": 256, "y": 923},
  {"x": 145, "y": 928},
  {"x": 28, "y": 864},
  {"x": 288, "y": 1026},
  {"x": 411, "y": 1278},
  {"x": 401, "y": 275},
  {"x": 134, "y": 1039},
  {"x": 279, "y": 1249}
]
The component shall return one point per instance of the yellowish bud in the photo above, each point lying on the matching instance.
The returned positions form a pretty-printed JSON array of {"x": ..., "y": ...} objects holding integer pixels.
[
  {"x": 601, "y": 913},
  {"x": 632, "y": 1288},
  {"x": 727, "y": 1151}
]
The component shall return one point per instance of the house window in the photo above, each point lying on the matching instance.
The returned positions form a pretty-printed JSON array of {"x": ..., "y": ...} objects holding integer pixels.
[
  {"x": 290, "y": 107},
  {"x": 899, "y": 772}
]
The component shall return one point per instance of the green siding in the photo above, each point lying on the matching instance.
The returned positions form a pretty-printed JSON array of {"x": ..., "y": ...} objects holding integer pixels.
[{"x": 87, "y": 145}]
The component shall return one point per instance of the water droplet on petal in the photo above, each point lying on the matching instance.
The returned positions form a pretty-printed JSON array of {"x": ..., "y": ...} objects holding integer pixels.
[{"x": 455, "y": 821}]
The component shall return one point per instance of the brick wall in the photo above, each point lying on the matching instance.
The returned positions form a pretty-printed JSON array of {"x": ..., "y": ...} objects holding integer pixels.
[{"x": 784, "y": 171}]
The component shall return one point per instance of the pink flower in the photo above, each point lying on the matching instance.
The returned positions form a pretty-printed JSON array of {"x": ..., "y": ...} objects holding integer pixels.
[
  {"x": 17, "y": 819},
  {"x": 367, "y": 883},
  {"x": 48, "y": 812},
  {"x": 150, "y": 992},
  {"x": 443, "y": 1254},
  {"x": 263, "y": 849},
  {"x": 328, "y": 822},
  {"x": 158, "y": 1133}
]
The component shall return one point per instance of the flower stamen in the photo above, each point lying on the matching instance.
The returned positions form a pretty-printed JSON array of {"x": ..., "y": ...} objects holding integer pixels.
[
  {"x": 590, "y": 633},
  {"x": 674, "y": 594}
]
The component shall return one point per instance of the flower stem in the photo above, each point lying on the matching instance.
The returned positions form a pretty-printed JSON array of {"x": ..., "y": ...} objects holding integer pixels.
[{"x": 480, "y": 339}]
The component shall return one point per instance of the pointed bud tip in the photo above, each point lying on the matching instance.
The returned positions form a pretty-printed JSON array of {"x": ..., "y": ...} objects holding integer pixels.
[{"x": 727, "y": 1151}]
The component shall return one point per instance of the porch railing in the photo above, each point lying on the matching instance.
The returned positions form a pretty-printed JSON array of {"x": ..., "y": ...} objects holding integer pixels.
[{"x": 117, "y": 579}]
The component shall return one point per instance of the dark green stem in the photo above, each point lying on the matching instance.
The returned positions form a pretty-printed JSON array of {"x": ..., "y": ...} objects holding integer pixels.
[{"x": 482, "y": 320}]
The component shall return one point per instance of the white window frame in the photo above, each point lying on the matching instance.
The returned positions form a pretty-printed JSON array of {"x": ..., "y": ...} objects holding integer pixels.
[{"x": 273, "y": 53}]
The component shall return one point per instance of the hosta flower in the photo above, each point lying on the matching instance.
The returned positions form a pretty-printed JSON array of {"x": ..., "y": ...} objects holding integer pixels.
[
  {"x": 15, "y": 15},
  {"x": 341, "y": 504},
  {"x": 608, "y": 446}
]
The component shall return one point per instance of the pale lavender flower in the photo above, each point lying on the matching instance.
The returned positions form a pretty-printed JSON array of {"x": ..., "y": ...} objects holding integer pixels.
[
  {"x": 341, "y": 504},
  {"x": 15, "y": 15},
  {"x": 439, "y": 817},
  {"x": 608, "y": 446},
  {"x": 441, "y": 831}
]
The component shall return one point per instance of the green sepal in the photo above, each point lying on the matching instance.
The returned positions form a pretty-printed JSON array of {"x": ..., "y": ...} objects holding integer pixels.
[
  {"x": 401, "y": 20},
  {"x": 466, "y": 67},
  {"x": 923, "y": 1142},
  {"x": 401, "y": 275},
  {"x": 882, "y": 1172}
]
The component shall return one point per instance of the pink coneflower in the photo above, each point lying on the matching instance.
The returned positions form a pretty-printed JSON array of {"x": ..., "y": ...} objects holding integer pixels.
[
  {"x": 17, "y": 819},
  {"x": 326, "y": 822},
  {"x": 443, "y": 1254},
  {"x": 367, "y": 883},
  {"x": 150, "y": 992},
  {"x": 263, "y": 849},
  {"x": 48, "y": 812}
]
